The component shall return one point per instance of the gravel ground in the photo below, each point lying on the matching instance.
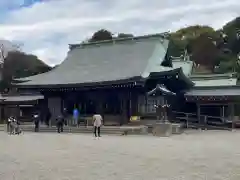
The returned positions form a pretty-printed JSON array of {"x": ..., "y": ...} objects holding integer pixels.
[{"x": 213, "y": 155}]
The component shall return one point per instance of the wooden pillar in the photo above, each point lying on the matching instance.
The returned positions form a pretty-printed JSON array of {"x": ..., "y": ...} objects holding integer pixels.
[
  {"x": 199, "y": 113},
  {"x": 146, "y": 104},
  {"x": 223, "y": 114},
  {"x": 232, "y": 114},
  {"x": 124, "y": 113},
  {"x": 133, "y": 104},
  {"x": 159, "y": 112},
  {"x": 1, "y": 118}
]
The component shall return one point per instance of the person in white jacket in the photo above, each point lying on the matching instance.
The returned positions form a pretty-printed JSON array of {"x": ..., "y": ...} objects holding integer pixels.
[{"x": 97, "y": 123}]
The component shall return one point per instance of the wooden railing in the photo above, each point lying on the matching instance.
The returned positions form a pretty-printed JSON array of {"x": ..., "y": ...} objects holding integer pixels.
[{"x": 204, "y": 120}]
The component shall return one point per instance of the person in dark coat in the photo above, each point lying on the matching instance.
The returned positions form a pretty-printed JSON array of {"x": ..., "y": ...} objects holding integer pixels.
[
  {"x": 60, "y": 123},
  {"x": 65, "y": 115},
  {"x": 36, "y": 122}
]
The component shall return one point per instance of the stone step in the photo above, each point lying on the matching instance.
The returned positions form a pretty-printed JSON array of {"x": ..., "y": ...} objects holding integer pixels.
[
  {"x": 82, "y": 129},
  {"x": 74, "y": 130}
]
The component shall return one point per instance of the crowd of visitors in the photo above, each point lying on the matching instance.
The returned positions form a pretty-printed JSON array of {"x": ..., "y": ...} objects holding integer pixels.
[{"x": 60, "y": 121}]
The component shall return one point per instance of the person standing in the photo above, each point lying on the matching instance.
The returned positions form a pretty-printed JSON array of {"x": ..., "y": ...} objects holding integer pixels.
[
  {"x": 36, "y": 121},
  {"x": 65, "y": 116},
  {"x": 97, "y": 123},
  {"x": 9, "y": 123},
  {"x": 75, "y": 116}
]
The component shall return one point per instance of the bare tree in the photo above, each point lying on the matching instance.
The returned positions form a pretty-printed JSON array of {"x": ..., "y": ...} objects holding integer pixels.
[{"x": 3, "y": 55}]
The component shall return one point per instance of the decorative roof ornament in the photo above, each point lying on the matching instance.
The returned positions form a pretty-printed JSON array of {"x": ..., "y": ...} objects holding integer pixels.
[{"x": 160, "y": 88}]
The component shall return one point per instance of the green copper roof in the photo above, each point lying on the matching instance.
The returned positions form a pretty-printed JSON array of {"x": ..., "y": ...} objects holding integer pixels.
[
  {"x": 214, "y": 80},
  {"x": 214, "y": 92},
  {"x": 106, "y": 62},
  {"x": 212, "y": 76},
  {"x": 185, "y": 65}
]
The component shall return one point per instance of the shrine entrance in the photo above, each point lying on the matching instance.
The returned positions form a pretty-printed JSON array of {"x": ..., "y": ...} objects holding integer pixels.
[{"x": 163, "y": 110}]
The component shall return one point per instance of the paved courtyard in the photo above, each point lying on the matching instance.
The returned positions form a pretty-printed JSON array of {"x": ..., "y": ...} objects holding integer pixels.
[{"x": 209, "y": 155}]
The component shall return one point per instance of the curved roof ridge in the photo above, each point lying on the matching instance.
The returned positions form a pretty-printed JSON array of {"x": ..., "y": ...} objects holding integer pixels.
[{"x": 164, "y": 35}]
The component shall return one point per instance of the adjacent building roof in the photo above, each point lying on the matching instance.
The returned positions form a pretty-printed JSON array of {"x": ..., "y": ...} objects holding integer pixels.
[
  {"x": 214, "y": 80},
  {"x": 20, "y": 98},
  {"x": 183, "y": 62},
  {"x": 185, "y": 65},
  {"x": 107, "y": 61},
  {"x": 214, "y": 92}
]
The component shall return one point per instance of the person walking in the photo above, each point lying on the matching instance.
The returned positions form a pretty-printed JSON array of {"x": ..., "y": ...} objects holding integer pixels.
[
  {"x": 97, "y": 123},
  {"x": 60, "y": 123}
]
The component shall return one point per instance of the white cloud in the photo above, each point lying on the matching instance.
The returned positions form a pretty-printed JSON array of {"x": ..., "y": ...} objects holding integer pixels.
[{"x": 47, "y": 28}]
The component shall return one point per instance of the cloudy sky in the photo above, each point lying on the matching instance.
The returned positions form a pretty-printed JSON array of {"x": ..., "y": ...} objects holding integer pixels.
[{"x": 46, "y": 27}]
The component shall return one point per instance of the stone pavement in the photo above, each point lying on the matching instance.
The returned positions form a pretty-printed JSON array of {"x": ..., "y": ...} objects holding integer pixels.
[{"x": 213, "y": 155}]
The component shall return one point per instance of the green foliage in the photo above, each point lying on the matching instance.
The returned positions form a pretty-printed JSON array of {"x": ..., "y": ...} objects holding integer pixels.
[
  {"x": 207, "y": 47},
  {"x": 232, "y": 29},
  {"x": 204, "y": 51},
  {"x": 18, "y": 64},
  {"x": 183, "y": 38},
  {"x": 101, "y": 35},
  {"x": 226, "y": 63},
  {"x": 104, "y": 34}
]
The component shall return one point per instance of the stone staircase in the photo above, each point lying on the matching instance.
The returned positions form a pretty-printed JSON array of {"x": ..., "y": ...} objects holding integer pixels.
[{"x": 111, "y": 130}]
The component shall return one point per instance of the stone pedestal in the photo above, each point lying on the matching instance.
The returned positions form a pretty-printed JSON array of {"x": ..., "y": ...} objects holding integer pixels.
[
  {"x": 144, "y": 130},
  {"x": 177, "y": 129},
  {"x": 162, "y": 129}
]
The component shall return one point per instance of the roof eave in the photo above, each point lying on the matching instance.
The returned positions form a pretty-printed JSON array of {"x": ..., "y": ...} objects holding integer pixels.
[
  {"x": 177, "y": 72},
  {"x": 134, "y": 80}
]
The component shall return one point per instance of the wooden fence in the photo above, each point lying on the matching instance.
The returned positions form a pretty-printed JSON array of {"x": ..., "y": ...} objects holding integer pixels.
[{"x": 205, "y": 121}]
